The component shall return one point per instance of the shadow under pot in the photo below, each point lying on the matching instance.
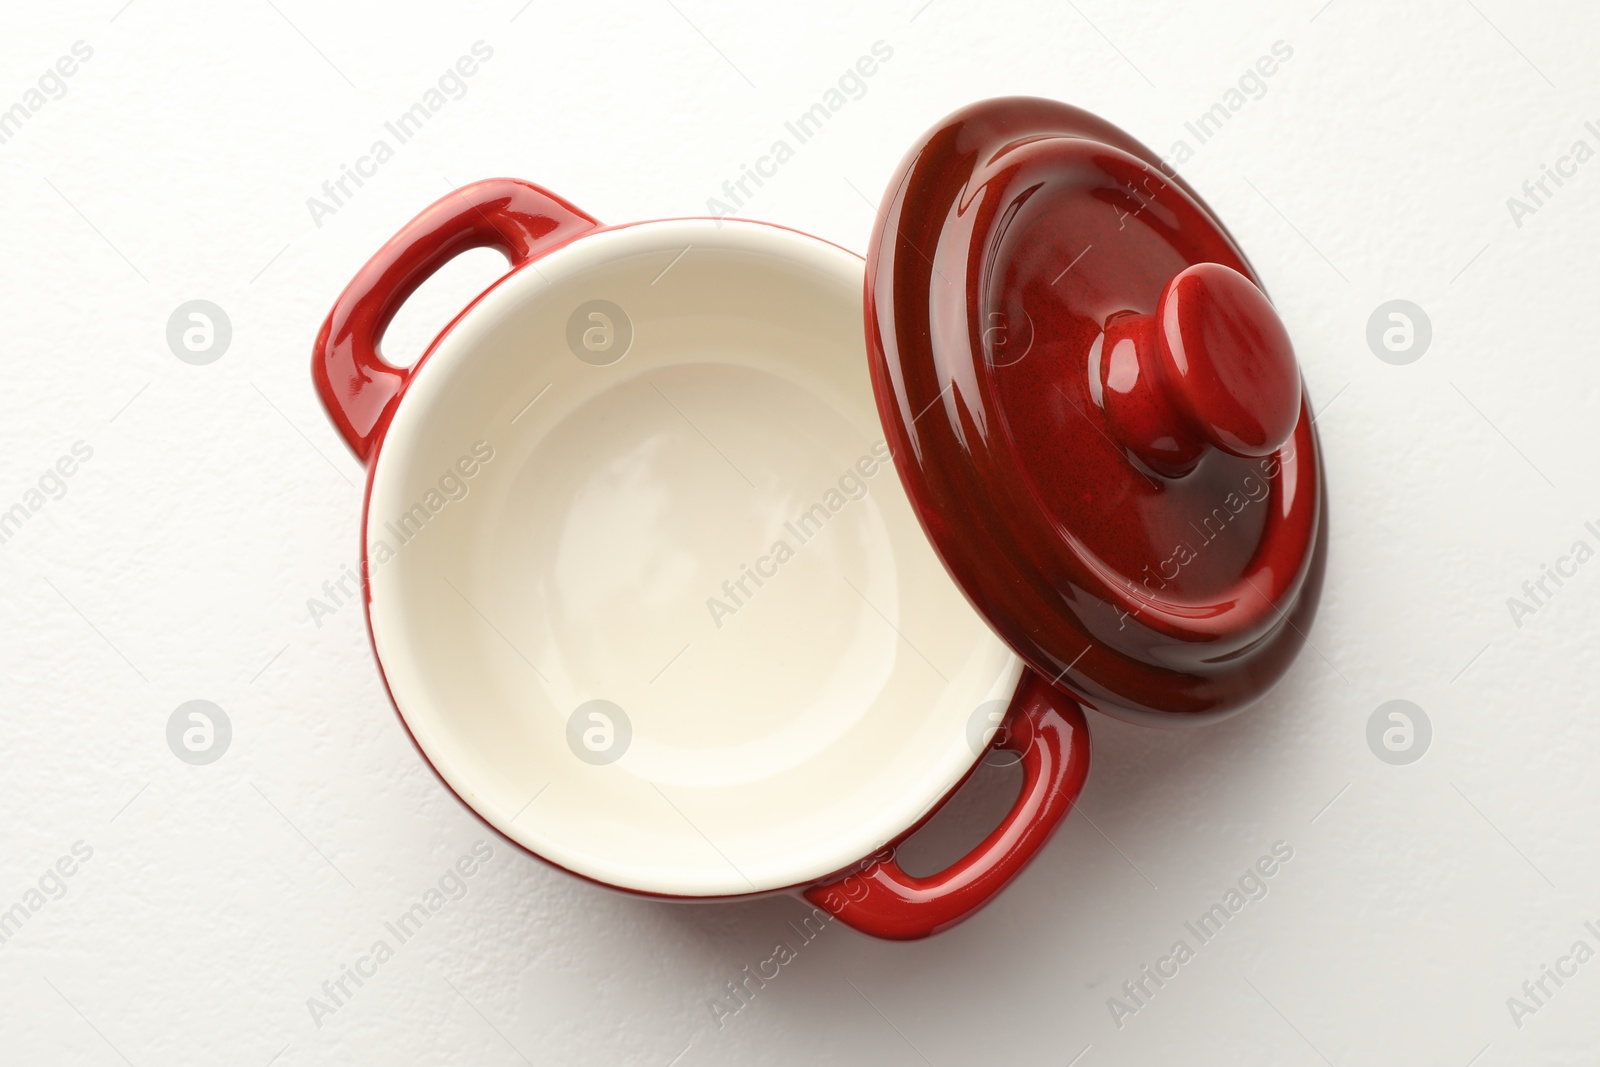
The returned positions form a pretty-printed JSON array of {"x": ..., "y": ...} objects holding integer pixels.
[{"x": 705, "y": 560}]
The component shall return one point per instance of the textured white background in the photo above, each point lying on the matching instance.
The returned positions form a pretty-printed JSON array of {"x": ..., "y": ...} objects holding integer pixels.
[{"x": 218, "y": 499}]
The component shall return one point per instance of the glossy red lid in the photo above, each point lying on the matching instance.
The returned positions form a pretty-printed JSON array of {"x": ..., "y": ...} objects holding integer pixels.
[{"x": 1095, "y": 410}]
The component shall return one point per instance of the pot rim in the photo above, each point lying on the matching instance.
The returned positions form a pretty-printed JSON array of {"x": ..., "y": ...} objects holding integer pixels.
[{"x": 436, "y": 367}]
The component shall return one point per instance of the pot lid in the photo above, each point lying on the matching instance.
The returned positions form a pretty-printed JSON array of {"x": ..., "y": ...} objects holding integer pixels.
[{"x": 1096, "y": 412}]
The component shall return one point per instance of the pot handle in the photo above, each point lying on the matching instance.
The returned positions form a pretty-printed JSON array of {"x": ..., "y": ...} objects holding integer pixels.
[
  {"x": 1047, "y": 728},
  {"x": 357, "y": 387}
]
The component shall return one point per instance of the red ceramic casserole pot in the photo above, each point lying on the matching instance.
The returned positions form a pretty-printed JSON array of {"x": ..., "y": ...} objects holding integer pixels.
[{"x": 704, "y": 560}]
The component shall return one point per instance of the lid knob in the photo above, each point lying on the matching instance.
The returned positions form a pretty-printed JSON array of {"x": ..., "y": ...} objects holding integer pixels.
[{"x": 1213, "y": 366}]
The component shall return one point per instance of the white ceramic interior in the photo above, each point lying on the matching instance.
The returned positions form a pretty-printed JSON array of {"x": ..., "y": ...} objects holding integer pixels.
[{"x": 767, "y": 745}]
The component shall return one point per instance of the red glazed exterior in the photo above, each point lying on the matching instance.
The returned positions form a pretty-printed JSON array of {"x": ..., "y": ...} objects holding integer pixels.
[
  {"x": 361, "y": 393},
  {"x": 358, "y": 389},
  {"x": 1017, "y": 244},
  {"x": 1053, "y": 740}
]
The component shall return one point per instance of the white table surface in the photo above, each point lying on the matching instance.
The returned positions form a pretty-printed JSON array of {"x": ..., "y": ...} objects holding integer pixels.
[{"x": 176, "y": 164}]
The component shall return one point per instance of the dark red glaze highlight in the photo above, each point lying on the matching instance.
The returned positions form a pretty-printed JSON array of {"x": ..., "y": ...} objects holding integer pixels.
[
  {"x": 1014, "y": 277},
  {"x": 358, "y": 389},
  {"x": 1212, "y": 368},
  {"x": 1050, "y": 734},
  {"x": 1227, "y": 360}
]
